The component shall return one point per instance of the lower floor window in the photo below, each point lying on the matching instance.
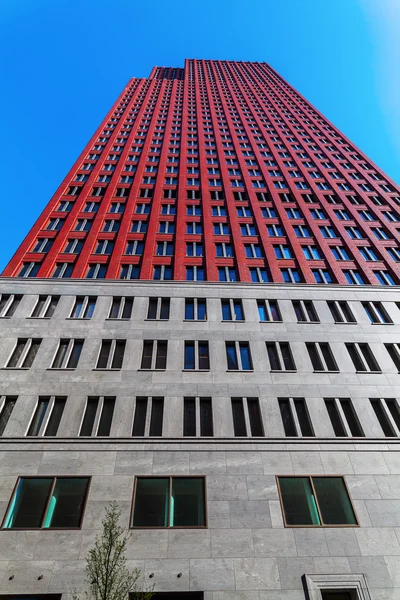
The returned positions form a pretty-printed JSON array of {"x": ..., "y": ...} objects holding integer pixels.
[
  {"x": 169, "y": 502},
  {"x": 47, "y": 503},
  {"x": 316, "y": 501}
]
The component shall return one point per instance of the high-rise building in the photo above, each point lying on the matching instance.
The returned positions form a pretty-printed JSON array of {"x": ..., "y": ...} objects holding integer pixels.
[{"x": 204, "y": 325}]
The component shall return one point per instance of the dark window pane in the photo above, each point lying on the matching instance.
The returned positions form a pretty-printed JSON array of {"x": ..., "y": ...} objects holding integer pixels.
[
  {"x": 30, "y": 357},
  {"x": 152, "y": 312},
  {"x": 298, "y": 501},
  {"x": 189, "y": 417},
  {"x": 201, "y": 310},
  {"x": 303, "y": 417},
  {"x": 147, "y": 354},
  {"x": 106, "y": 417},
  {"x": 231, "y": 356},
  {"x": 273, "y": 357},
  {"x": 226, "y": 310},
  {"x": 255, "y": 419},
  {"x": 75, "y": 354},
  {"x": 187, "y": 507},
  {"x": 369, "y": 357},
  {"x": 245, "y": 357},
  {"x": 29, "y": 503},
  {"x": 189, "y": 309},
  {"x": 118, "y": 354},
  {"x": 115, "y": 308},
  {"x": 189, "y": 355},
  {"x": 161, "y": 358},
  {"x": 335, "y": 418},
  {"x": 355, "y": 357},
  {"x": 238, "y": 308},
  {"x": 156, "y": 420},
  {"x": 66, "y": 503},
  {"x": 287, "y": 357},
  {"x": 140, "y": 417},
  {"x": 239, "y": 423},
  {"x": 164, "y": 313},
  {"x": 104, "y": 354},
  {"x": 334, "y": 501},
  {"x": 206, "y": 417},
  {"x": 382, "y": 418},
  {"x": 337, "y": 317},
  {"x": 55, "y": 418},
  {"x": 204, "y": 360},
  {"x": 151, "y": 502},
  {"x": 351, "y": 418},
  {"x": 90, "y": 415},
  {"x": 8, "y": 407},
  {"x": 328, "y": 357},
  {"x": 394, "y": 410},
  {"x": 38, "y": 417},
  {"x": 287, "y": 417},
  {"x": 315, "y": 358},
  {"x": 274, "y": 308},
  {"x": 127, "y": 310},
  {"x": 61, "y": 353}
]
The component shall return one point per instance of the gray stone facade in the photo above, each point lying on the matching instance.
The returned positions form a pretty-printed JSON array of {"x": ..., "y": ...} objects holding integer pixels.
[{"x": 245, "y": 552}]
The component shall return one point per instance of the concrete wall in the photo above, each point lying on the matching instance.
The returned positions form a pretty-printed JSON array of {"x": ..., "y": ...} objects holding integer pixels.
[{"x": 246, "y": 553}]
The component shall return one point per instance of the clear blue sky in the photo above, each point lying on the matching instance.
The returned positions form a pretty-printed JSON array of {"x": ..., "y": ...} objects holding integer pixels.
[{"x": 65, "y": 61}]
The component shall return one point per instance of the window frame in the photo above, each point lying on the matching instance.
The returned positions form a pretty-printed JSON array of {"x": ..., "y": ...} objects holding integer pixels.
[
  {"x": 169, "y": 527},
  {"x": 310, "y": 478}
]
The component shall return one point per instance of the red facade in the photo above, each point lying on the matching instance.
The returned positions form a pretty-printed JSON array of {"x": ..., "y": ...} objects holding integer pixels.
[{"x": 219, "y": 171}]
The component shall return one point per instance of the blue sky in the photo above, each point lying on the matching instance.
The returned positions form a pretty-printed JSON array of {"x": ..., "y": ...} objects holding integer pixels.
[{"x": 64, "y": 62}]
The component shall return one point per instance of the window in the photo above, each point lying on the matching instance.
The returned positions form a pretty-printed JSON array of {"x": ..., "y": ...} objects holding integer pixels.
[
  {"x": 68, "y": 353},
  {"x": 154, "y": 354},
  {"x": 7, "y": 404},
  {"x": 295, "y": 418},
  {"x": 388, "y": 414},
  {"x": 129, "y": 272},
  {"x": 280, "y": 356},
  {"x": 232, "y": 310},
  {"x": 148, "y": 419},
  {"x": 96, "y": 271},
  {"x": 343, "y": 417},
  {"x": 238, "y": 356},
  {"x": 47, "y": 503},
  {"x": 169, "y": 502},
  {"x": 246, "y": 415},
  {"x": 158, "y": 309},
  {"x": 98, "y": 416},
  {"x": 377, "y": 313},
  {"x": 47, "y": 416},
  {"x": 111, "y": 354},
  {"x": 83, "y": 307},
  {"x": 195, "y": 309},
  {"x": 24, "y": 353},
  {"x": 29, "y": 269},
  {"x": 73, "y": 247},
  {"x": 121, "y": 307},
  {"x": 384, "y": 278},
  {"x": 394, "y": 353},
  {"x": 162, "y": 272},
  {"x": 196, "y": 356},
  {"x": 362, "y": 357},
  {"x": 353, "y": 277},
  {"x": 341, "y": 311},
  {"x": 259, "y": 275},
  {"x": 45, "y": 307},
  {"x": 197, "y": 417},
  {"x": 63, "y": 270},
  {"x": 134, "y": 248},
  {"x": 9, "y": 304},
  {"x": 315, "y": 501},
  {"x": 227, "y": 274},
  {"x": 268, "y": 311},
  {"x": 305, "y": 311},
  {"x": 321, "y": 356},
  {"x": 322, "y": 275}
]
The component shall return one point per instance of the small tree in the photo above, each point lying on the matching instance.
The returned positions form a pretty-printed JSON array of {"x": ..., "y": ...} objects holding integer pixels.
[{"x": 107, "y": 575}]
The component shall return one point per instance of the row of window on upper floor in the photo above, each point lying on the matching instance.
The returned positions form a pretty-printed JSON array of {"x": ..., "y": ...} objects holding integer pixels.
[
  {"x": 172, "y": 502},
  {"x": 196, "y": 309},
  {"x": 196, "y": 355},
  {"x": 198, "y": 416}
]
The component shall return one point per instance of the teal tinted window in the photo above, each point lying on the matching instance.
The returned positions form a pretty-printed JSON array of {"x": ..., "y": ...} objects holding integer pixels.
[
  {"x": 298, "y": 500},
  {"x": 334, "y": 502}
]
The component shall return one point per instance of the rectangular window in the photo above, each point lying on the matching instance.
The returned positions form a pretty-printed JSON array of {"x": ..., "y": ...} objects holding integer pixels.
[
  {"x": 7, "y": 404},
  {"x": 321, "y": 356},
  {"x": 315, "y": 501},
  {"x": 295, "y": 417},
  {"x": 24, "y": 353},
  {"x": 68, "y": 354},
  {"x": 197, "y": 356},
  {"x": 47, "y": 503},
  {"x": 169, "y": 502},
  {"x": 98, "y": 416},
  {"x": 305, "y": 311},
  {"x": 238, "y": 356},
  {"x": 388, "y": 414},
  {"x": 121, "y": 307},
  {"x": 394, "y": 353},
  {"x": 280, "y": 356},
  {"x": 148, "y": 419},
  {"x": 341, "y": 311},
  {"x": 154, "y": 355},
  {"x": 232, "y": 310},
  {"x": 9, "y": 304},
  {"x": 158, "y": 309},
  {"x": 363, "y": 359},
  {"x": 47, "y": 416},
  {"x": 197, "y": 417},
  {"x": 343, "y": 417},
  {"x": 247, "y": 419},
  {"x": 268, "y": 311},
  {"x": 83, "y": 307},
  {"x": 195, "y": 309},
  {"x": 377, "y": 313},
  {"x": 111, "y": 354},
  {"x": 45, "y": 307}
]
